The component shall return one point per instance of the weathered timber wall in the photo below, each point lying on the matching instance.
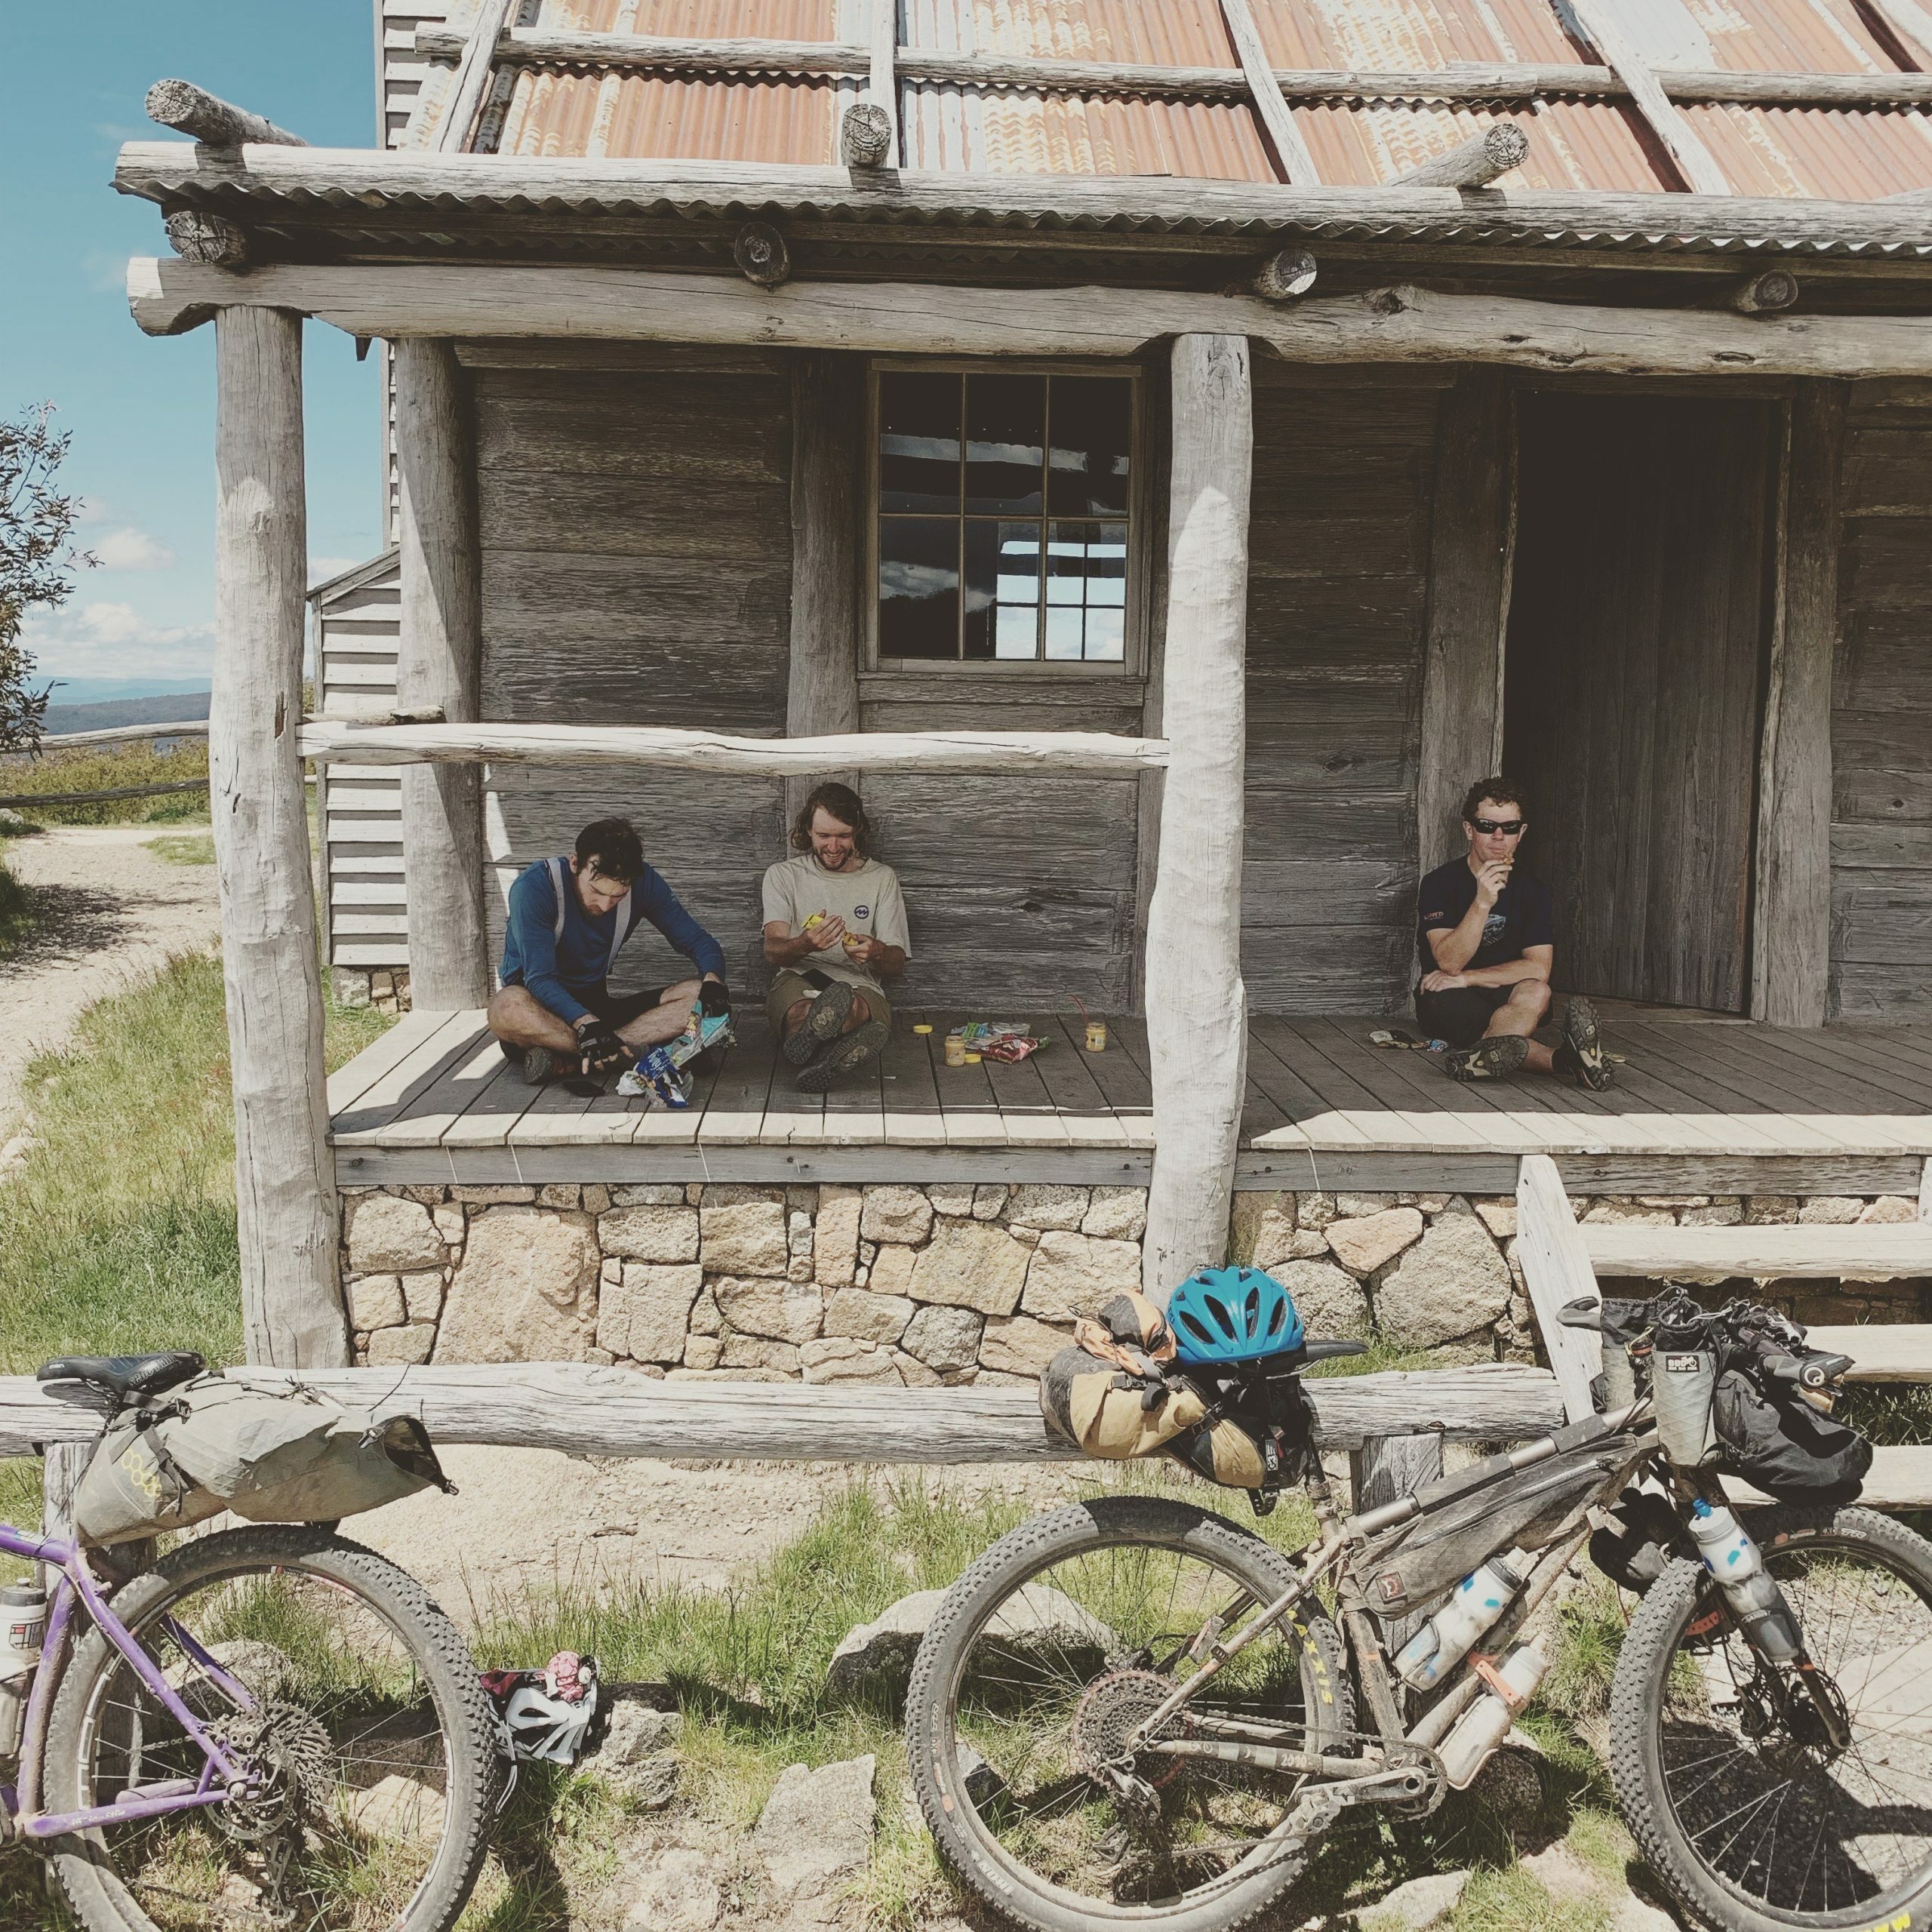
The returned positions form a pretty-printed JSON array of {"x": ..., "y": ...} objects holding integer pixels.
[
  {"x": 636, "y": 540},
  {"x": 1338, "y": 581},
  {"x": 1019, "y": 891},
  {"x": 1881, "y": 719}
]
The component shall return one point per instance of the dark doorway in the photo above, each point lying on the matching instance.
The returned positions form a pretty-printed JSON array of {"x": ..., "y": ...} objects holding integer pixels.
[{"x": 1638, "y": 621}]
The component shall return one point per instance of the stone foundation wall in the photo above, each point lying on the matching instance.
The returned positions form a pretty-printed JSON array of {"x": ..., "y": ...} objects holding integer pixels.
[
  {"x": 386, "y": 988},
  {"x": 919, "y": 1286}
]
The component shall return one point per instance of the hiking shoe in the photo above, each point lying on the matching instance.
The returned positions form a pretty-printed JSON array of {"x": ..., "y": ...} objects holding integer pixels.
[
  {"x": 846, "y": 1054},
  {"x": 1581, "y": 1055},
  {"x": 539, "y": 1064},
  {"x": 1494, "y": 1058},
  {"x": 825, "y": 1021}
]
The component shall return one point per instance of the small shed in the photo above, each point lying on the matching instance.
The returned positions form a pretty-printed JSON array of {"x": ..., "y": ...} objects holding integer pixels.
[{"x": 1164, "y": 451}]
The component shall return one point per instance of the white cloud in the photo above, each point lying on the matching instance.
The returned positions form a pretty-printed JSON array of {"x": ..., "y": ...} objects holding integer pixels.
[
  {"x": 320, "y": 569},
  {"x": 130, "y": 549},
  {"x": 89, "y": 510},
  {"x": 110, "y": 639}
]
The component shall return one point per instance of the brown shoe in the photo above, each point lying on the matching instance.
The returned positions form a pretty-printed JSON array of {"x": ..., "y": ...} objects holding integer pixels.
[
  {"x": 1495, "y": 1057},
  {"x": 846, "y": 1054},
  {"x": 825, "y": 1022}
]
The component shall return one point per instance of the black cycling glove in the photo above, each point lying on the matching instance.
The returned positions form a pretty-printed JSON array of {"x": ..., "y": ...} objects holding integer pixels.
[
  {"x": 597, "y": 1044},
  {"x": 714, "y": 998}
]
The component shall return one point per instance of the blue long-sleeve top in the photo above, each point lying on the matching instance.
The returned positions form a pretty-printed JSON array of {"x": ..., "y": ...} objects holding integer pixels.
[{"x": 558, "y": 969}]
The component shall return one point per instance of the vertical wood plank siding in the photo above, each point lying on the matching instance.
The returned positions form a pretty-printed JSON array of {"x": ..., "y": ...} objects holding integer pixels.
[
  {"x": 1338, "y": 576},
  {"x": 637, "y": 565},
  {"x": 1881, "y": 719}
]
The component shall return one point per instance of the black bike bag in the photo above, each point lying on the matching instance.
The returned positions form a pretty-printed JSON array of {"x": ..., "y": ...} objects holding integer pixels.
[{"x": 1436, "y": 1550}]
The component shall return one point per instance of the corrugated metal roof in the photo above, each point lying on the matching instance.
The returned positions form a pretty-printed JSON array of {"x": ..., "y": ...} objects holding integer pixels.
[{"x": 1829, "y": 153}]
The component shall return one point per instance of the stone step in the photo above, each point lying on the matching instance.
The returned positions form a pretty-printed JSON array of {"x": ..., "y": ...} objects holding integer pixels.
[{"x": 1879, "y": 1253}]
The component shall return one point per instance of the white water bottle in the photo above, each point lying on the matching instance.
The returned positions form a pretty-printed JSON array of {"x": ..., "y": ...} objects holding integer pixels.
[
  {"x": 23, "y": 1630},
  {"x": 1738, "y": 1565},
  {"x": 1475, "y": 1604},
  {"x": 1486, "y": 1723}
]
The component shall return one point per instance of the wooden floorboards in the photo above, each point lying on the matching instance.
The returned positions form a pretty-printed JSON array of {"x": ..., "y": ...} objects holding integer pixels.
[{"x": 1317, "y": 1089}]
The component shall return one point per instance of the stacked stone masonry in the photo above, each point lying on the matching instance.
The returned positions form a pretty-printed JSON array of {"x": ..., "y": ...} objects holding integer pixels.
[
  {"x": 916, "y": 1287},
  {"x": 385, "y": 988}
]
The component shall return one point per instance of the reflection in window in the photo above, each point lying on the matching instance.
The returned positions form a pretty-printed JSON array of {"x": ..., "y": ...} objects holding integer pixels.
[{"x": 969, "y": 569}]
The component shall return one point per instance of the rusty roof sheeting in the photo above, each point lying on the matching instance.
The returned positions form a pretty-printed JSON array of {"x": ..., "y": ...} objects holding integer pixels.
[{"x": 1816, "y": 153}]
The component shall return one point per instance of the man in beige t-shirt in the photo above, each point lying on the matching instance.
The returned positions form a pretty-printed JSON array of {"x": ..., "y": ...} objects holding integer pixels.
[{"x": 835, "y": 929}]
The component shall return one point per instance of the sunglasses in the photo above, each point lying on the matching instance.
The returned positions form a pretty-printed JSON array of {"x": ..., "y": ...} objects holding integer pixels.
[{"x": 1510, "y": 828}]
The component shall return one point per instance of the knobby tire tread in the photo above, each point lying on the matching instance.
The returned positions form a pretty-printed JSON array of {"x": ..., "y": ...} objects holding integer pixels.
[
  {"x": 1636, "y": 1703},
  {"x": 1021, "y": 1554},
  {"x": 87, "y": 1880}
]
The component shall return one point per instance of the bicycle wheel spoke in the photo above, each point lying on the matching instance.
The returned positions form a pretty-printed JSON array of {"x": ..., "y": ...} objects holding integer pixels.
[{"x": 1777, "y": 1808}]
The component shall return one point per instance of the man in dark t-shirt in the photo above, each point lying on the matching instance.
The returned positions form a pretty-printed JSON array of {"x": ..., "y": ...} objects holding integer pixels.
[{"x": 1485, "y": 941}]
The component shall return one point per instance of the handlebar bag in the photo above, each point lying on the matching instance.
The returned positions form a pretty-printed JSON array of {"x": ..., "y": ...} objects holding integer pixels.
[{"x": 1777, "y": 1442}]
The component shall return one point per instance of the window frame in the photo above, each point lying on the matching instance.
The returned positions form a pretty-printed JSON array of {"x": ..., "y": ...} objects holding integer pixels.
[{"x": 1132, "y": 661}]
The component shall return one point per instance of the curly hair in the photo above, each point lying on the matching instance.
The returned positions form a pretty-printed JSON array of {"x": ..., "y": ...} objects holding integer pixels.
[
  {"x": 842, "y": 802},
  {"x": 1498, "y": 790}
]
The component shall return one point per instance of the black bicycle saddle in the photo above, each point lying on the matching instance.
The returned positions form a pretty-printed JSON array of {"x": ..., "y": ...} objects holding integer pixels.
[{"x": 124, "y": 1376}]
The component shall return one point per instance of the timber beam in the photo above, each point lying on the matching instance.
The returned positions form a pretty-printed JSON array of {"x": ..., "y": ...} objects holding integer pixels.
[
  {"x": 348, "y": 184},
  {"x": 192, "y": 110},
  {"x": 713, "y": 752},
  {"x": 1466, "y": 80},
  {"x": 1476, "y": 164},
  {"x": 1383, "y": 325},
  {"x": 591, "y": 1411}
]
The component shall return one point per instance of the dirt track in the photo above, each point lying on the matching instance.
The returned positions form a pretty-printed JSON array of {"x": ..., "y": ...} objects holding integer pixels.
[{"x": 117, "y": 913}]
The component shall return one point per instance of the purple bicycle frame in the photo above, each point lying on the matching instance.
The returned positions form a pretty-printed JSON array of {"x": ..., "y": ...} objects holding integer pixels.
[{"x": 220, "y": 1774}]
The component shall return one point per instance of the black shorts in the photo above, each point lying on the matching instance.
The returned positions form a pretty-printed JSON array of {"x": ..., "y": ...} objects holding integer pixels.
[
  {"x": 1460, "y": 1015},
  {"x": 613, "y": 1009}
]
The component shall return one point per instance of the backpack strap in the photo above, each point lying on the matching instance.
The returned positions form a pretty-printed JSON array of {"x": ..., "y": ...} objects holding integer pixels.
[
  {"x": 557, "y": 886},
  {"x": 620, "y": 929}
]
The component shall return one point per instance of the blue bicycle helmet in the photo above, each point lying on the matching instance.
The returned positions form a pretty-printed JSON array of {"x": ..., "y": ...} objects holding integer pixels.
[{"x": 1228, "y": 1314}]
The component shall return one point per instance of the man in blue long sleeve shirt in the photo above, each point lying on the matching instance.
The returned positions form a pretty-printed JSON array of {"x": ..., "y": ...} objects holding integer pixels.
[{"x": 568, "y": 918}]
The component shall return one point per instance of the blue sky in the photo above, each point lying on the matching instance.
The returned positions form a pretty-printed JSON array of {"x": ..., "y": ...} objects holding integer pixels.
[{"x": 142, "y": 410}]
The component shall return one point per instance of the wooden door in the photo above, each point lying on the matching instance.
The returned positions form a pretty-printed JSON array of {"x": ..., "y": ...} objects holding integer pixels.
[{"x": 1638, "y": 619}]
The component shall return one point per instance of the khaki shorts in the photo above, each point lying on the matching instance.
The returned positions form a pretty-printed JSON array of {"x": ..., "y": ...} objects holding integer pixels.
[{"x": 790, "y": 986}]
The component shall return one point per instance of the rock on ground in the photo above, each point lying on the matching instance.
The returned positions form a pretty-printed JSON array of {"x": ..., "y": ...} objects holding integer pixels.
[
  {"x": 675, "y": 1893},
  {"x": 880, "y": 1653},
  {"x": 1415, "y": 1906},
  {"x": 816, "y": 1825}
]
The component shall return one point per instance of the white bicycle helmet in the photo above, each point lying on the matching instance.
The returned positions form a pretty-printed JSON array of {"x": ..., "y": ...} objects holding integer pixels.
[{"x": 550, "y": 1720}]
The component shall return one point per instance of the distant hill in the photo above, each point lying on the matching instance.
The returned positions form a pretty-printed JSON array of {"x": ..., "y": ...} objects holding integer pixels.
[{"x": 175, "y": 708}]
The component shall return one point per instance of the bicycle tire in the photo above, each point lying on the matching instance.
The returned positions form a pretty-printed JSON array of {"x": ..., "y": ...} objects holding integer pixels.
[
  {"x": 971, "y": 1603},
  {"x": 83, "y": 1862},
  {"x": 1639, "y": 1697}
]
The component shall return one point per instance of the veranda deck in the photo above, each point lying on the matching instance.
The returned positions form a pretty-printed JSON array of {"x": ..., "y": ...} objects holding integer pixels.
[{"x": 1696, "y": 1108}]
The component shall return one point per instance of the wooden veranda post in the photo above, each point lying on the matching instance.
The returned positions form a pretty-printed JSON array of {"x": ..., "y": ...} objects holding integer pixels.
[
  {"x": 828, "y": 431},
  {"x": 439, "y": 668},
  {"x": 1196, "y": 1006},
  {"x": 286, "y": 1209}
]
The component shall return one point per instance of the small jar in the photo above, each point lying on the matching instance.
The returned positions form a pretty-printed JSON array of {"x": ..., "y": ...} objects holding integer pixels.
[
  {"x": 1096, "y": 1036},
  {"x": 955, "y": 1050}
]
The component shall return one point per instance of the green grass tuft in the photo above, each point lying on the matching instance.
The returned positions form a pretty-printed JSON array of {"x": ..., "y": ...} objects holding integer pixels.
[
  {"x": 18, "y": 911},
  {"x": 192, "y": 848}
]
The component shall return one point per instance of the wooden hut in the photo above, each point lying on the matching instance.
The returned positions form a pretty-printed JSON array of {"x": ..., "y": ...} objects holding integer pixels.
[{"x": 1165, "y": 451}]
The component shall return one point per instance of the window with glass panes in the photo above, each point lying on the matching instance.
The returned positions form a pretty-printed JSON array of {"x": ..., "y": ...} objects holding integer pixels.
[{"x": 1003, "y": 516}]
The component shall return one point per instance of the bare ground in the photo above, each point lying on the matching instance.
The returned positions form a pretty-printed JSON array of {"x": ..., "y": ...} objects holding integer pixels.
[{"x": 113, "y": 913}]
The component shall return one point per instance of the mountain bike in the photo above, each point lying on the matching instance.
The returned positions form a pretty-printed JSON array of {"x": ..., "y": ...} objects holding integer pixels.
[
  {"x": 1132, "y": 1710},
  {"x": 267, "y": 1726}
]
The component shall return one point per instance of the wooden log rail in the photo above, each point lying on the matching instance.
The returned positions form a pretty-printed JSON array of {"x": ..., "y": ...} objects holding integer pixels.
[
  {"x": 590, "y": 1411},
  {"x": 1497, "y": 82},
  {"x": 1401, "y": 325},
  {"x": 189, "y": 728},
  {"x": 714, "y": 752},
  {"x": 24, "y": 801}
]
